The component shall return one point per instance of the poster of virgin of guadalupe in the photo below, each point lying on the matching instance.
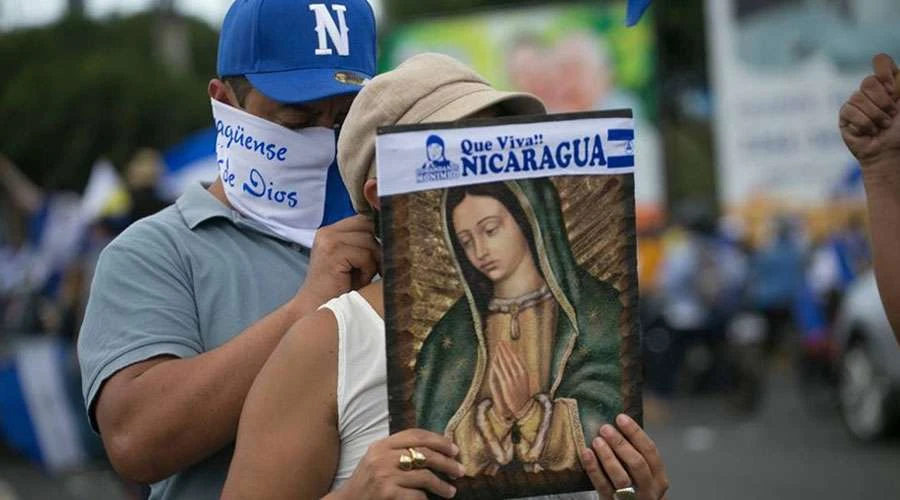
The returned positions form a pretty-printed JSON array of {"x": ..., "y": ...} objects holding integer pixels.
[{"x": 511, "y": 292}]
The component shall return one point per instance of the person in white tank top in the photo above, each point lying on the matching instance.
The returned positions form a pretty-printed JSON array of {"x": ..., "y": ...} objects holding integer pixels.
[{"x": 315, "y": 423}]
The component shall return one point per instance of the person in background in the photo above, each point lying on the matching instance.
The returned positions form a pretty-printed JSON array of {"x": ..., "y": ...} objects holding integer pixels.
[
  {"x": 53, "y": 229},
  {"x": 776, "y": 278},
  {"x": 526, "y": 65},
  {"x": 142, "y": 179},
  {"x": 870, "y": 127},
  {"x": 696, "y": 283},
  {"x": 34, "y": 268},
  {"x": 585, "y": 76},
  {"x": 186, "y": 305}
]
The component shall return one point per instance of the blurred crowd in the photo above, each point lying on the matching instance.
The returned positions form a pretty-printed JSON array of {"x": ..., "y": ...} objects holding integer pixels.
[
  {"x": 50, "y": 240},
  {"x": 724, "y": 297},
  {"x": 49, "y": 245}
]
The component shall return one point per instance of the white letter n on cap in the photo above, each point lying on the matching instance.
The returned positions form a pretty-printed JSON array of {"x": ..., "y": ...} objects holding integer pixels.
[{"x": 325, "y": 25}]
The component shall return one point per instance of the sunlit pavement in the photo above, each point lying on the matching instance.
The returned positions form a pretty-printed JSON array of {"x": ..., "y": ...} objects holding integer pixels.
[{"x": 786, "y": 451}]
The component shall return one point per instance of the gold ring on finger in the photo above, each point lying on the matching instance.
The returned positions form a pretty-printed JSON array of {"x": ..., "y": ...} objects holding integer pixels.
[
  {"x": 418, "y": 459},
  {"x": 625, "y": 493},
  {"x": 406, "y": 461}
]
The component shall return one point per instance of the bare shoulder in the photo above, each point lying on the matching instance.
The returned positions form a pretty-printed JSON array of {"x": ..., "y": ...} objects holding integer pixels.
[
  {"x": 297, "y": 384},
  {"x": 312, "y": 336},
  {"x": 307, "y": 358}
]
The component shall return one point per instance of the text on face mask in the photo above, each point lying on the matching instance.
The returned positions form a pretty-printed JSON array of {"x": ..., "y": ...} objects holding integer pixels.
[
  {"x": 235, "y": 135},
  {"x": 257, "y": 187},
  {"x": 227, "y": 175}
]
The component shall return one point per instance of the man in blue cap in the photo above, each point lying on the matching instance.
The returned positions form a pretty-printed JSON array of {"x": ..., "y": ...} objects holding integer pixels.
[{"x": 187, "y": 305}]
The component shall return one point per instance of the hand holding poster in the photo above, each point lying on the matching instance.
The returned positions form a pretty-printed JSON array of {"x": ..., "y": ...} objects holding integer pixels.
[{"x": 511, "y": 291}]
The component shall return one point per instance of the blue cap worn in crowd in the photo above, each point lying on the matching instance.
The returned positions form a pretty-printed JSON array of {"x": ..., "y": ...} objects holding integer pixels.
[{"x": 299, "y": 50}]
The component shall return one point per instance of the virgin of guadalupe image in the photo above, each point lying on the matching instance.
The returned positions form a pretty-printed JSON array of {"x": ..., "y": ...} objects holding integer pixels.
[{"x": 526, "y": 364}]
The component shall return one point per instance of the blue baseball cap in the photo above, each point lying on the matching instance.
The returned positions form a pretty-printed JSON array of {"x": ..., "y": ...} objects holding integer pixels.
[{"x": 299, "y": 50}]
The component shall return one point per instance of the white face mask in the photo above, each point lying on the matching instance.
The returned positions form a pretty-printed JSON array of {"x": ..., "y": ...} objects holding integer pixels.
[{"x": 274, "y": 175}]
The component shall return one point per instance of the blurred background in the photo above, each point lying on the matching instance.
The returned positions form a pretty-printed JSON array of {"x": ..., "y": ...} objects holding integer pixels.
[{"x": 771, "y": 371}]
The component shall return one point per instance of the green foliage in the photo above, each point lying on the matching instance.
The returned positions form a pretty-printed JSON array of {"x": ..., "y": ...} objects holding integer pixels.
[{"x": 82, "y": 89}]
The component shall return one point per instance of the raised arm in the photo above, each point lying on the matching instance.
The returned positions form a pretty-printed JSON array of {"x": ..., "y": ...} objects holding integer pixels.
[
  {"x": 25, "y": 194},
  {"x": 870, "y": 126}
]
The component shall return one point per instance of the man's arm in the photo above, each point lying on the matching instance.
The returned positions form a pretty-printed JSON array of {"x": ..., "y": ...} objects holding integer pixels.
[
  {"x": 165, "y": 414},
  {"x": 160, "y": 416},
  {"x": 870, "y": 126}
]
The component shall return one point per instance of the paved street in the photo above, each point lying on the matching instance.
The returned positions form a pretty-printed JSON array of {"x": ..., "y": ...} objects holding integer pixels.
[
  {"x": 20, "y": 481},
  {"x": 782, "y": 453}
]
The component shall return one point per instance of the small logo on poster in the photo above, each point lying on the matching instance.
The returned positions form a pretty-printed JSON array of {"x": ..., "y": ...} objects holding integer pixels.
[{"x": 438, "y": 167}]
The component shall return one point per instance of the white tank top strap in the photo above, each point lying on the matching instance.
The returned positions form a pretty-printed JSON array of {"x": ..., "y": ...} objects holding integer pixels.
[{"x": 361, "y": 380}]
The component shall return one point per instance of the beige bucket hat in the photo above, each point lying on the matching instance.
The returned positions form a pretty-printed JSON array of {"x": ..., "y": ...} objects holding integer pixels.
[{"x": 426, "y": 88}]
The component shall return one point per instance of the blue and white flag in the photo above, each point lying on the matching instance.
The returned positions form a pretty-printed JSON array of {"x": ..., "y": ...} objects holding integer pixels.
[
  {"x": 636, "y": 9},
  {"x": 37, "y": 414},
  {"x": 191, "y": 161}
]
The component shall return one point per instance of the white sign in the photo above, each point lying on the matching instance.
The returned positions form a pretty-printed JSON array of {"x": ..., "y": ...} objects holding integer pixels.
[
  {"x": 434, "y": 158},
  {"x": 781, "y": 72}
]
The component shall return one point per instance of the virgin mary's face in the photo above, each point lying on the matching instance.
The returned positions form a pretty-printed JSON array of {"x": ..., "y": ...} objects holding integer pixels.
[{"x": 491, "y": 238}]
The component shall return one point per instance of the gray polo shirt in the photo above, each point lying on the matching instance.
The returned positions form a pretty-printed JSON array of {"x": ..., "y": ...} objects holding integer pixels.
[{"x": 183, "y": 282}]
